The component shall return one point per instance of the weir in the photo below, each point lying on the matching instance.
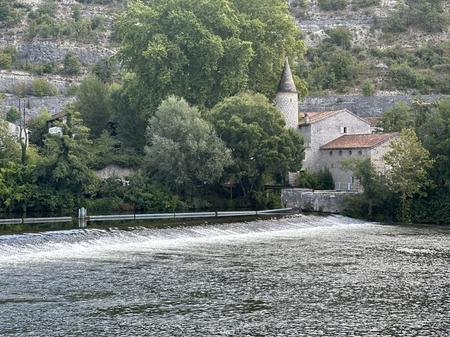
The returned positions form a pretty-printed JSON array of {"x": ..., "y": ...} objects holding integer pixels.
[
  {"x": 83, "y": 218},
  {"x": 90, "y": 242}
]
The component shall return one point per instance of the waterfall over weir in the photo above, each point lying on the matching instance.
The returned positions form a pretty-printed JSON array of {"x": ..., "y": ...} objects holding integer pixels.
[
  {"x": 85, "y": 243},
  {"x": 293, "y": 276}
]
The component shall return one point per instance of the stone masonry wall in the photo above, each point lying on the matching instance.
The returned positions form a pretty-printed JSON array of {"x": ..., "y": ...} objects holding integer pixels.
[
  {"x": 317, "y": 201},
  {"x": 361, "y": 105},
  {"x": 33, "y": 105},
  {"x": 329, "y": 129}
]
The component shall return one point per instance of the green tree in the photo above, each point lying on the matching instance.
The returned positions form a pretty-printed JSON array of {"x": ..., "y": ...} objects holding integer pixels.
[
  {"x": 129, "y": 121},
  {"x": 9, "y": 145},
  {"x": 368, "y": 88},
  {"x": 94, "y": 104},
  {"x": 225, "y": 46},
  {"x": 38, "y": 127},
  {"x": 264, "y": 151},
  {"x": 340, "y": 36},
  {"x": 397, "y": 118},
  {"x": 408, "y": 163},
  {"x": 72, "y": 64},
  {"x": 12, "y": 115},
  {"x": 435, "y": 135},
  {"x": 63, "y": 176},
  {"x": 375, "y": 202},
  {"x": 183, "y": 152},
  {"x": 41, "y": 87}
]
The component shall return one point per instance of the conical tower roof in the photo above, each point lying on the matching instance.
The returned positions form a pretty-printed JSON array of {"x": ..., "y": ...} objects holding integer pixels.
[{"x": 287, "y": 81}]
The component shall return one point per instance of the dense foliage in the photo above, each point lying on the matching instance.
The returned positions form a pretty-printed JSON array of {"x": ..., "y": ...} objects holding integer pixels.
[
  {"x": 416, "y": 188},
  {"x": 226, "y": 46}
]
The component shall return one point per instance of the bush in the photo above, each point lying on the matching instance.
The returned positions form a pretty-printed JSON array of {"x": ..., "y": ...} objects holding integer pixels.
[
  {"x": 427, "y": 15},
  {"x": 7, "y": 57},
  {"x": 332, "y": 5},
  {"x": 402, "y": 76},
  {"x": 321, "y": 180},
  {"x": 72, "y": 64},
  {"x": 41, "y": 87},
  {"x": 368, "y": 88},
  {"x": 340, "y": 36},
  {"x": 5, "y": 61},
  {"x": 12, "y": 115},
  {"x": 365, "y": 3}
]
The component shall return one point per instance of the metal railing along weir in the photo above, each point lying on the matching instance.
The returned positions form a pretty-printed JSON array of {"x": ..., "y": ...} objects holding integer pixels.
[{"x": 155, "y": 216}]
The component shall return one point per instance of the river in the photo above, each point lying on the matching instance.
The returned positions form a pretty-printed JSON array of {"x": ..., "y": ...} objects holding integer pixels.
[{"x": 295, "y": 276}]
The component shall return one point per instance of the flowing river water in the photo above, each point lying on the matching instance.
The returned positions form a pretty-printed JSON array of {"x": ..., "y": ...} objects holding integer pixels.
[{"x": 295, "y": 276}]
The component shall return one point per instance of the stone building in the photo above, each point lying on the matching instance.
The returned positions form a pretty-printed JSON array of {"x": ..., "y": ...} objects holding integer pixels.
[{"x": 331, "y": 136}]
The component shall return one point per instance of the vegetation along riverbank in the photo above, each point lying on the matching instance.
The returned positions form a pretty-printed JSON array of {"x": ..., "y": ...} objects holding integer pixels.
[{"x": 186, "y": 110}]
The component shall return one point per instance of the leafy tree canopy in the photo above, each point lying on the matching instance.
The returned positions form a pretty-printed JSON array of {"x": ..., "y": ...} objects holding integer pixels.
[
  {"x": 263, "y": 149},
  {"x": 206, "y": 50},
  {"x": 183, "y": 151},
  {"x": 408, "y": 162}
]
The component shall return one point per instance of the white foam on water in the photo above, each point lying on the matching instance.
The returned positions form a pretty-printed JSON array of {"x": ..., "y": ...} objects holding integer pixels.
[{"x": 98, "y": 244}]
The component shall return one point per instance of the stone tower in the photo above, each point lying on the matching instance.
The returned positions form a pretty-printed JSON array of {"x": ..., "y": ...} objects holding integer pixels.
[{"x": 287, "y": 97}]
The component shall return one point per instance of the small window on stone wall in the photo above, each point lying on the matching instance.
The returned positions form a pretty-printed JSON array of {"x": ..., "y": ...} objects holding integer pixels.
[
  {"x": 340, "y": 152},
  {"x": 331, "y": 153},
  {"x": 350, "y": 152},
  {"x": 360, "y": 152}
]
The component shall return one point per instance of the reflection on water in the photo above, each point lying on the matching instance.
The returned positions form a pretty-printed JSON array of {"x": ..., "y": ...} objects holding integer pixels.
[{"x": 299, "y": 276}]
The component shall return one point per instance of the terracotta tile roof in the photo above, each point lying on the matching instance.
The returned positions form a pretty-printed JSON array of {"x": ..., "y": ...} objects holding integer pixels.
[
  {"x": 373, "y": 121},
  {"x": 360, "y": 141},
  {"x": 314, "y": 117}
]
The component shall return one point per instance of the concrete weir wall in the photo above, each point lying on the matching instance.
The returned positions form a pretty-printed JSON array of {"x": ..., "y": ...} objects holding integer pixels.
[{"x": 314, "y": 201}]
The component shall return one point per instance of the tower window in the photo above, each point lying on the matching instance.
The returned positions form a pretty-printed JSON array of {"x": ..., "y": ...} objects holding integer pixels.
[
  {"x": 340, "y": 152},
  {"x": 350, "y": 152},
  {"x": 343, "y": 129},
  {"x": 331, "y": 153}
]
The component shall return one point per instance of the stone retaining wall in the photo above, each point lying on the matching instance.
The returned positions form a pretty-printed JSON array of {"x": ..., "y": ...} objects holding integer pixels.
[
  {"x": 361, "y": 105},
  {"x": 314, "y": 201},
  {"x": 33, "y": 105}
]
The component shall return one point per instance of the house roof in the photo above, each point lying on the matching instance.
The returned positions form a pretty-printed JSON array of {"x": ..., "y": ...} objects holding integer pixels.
[
  {"x": 314, "y": 117},
  {"x": 57, "y": 116},
  {"x": 287, "y": 81},
  {"x": 373, "y": 121},
  {"x": 360, "y": 141}
]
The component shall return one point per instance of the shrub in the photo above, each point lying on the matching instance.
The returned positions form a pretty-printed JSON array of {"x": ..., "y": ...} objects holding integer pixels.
[
  {"x": 5, "y": 60},
  {"x": 12, "y": 115},
  {"x": 368, "y": 88},
  {"x": 321, "y": 180},
  {"x": 72, "y": 64},
  {"x": 365, "y": 3},
  {"x": 332, "y": 5},
  {"x": 427, "y": 15},
  {"x": 402, "y": 77},
  {"x": 41, "y": 87},
  {"x": 340, "y": 36}
]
